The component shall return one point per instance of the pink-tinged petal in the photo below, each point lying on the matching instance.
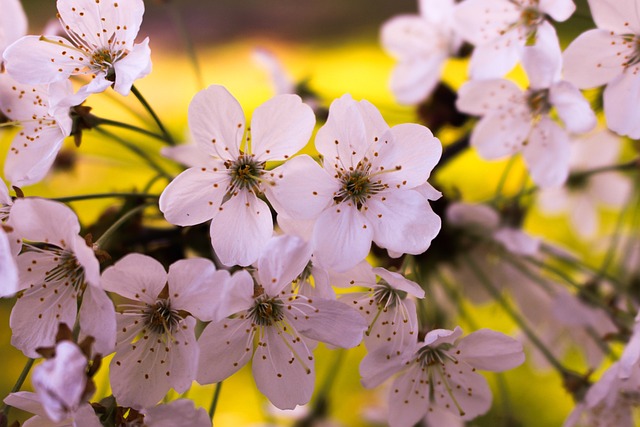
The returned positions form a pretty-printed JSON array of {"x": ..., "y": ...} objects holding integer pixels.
[
  {"x": 182, "y": 356},
  {"x": 543, "y": 61},
  {"x": 134, "y": 66},
  {"x": 407, "y": 36},
  {"x": 611, "y": 189},
  {"x": 26, "y": 401},
  {"x": 480, "y": 97},
  {"x": 553, "y": 201},
  {"x": 409, "y": 153},
  {"x": 398, "y": 281},
  {"x": 473, "y": 215},
  {"x": 327, "y": 321},
  {"x": 196, "y": 286},
  {"x": 42, "y": 220},
  {"x": 302, "y": 188},
  {"x": 413, "y": 81},
  {"x": 497, "y": 57},
  {"x": 283, "y": 368},
  {"x": 470, "y": 389},
  {"x": 437, "y": 11},
  {"x": 298, "y": 227},
  {"x": 283, "y": 259},
  {"x": 559, "y": 10},
  {"x": 217, "y": 122},
  {"x": 195, "y": 195},
  {"x": 481, "y": 21},
  {"x": 342, "y": 140},
  {"x": 584, "y": 216},
  {"x": 87, "y": 259},
  {"x": 502, "y": 133},
  {"x": 435, "y": 337},
  {"x": 342, "y": 237},
  {"x": 137, "y": 277},
  {"x": 374, "y": 123},
  {"x": 36, "y": 60},
  {"x": 31, "y": 155},
  {"x": 98, "y": 319},
  {"x": 409, "y": 398},
  {"x": 620, "y": 16},
  {"x": 360, "y": 275},
  {"x": 98, "y": 84},
  {"x": 594, "y": 58},
  {"x": 393, "y": 330},
  {"x": 225, "y": 347},
  {"x": 85, "y": 416},
  {"x": 621, "y": 106},
  {"x": 490, "y": 351},
  {"x": 281, "y": 127},
  {"x": 280, "y": 79},
  {"x": 375, "y": 367},
  {"x": 38, "y": 312},
  {"x": 402, "y": 221},
  {"x": 186, "y": 154},
  {"x": 241, "y": 229},
  {"x": 517, "y": 242},
  {"x": 631, "y": 354},
  {"x": 547, "y": 154},
  {"x": 442, "y": 417},
  {"x": 574, "y": 110},
  {"x": 8, "y": 269},
  {"x": 178, "y": 412},
  {"x": 237, "y": 295},
  {"x": 13, "y": 22}
]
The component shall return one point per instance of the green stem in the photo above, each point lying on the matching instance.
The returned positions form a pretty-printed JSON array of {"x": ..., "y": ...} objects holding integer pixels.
[
  {"x": 630, "y": 165},
  {"x": 18, "y": 385},
  {"x": 108, "y": 122},
  {"x": 145, "y": 104},
  {"x": 503, "y": 178},
  {"x": 138, "y": 151},
  {"x": 124, "y": 218},
  {"x": 214, "y": 401},
  {"x": 106, "y": 196}
]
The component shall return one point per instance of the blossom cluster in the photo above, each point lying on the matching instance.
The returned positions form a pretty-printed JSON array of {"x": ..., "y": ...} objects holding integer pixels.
[{"x": 332, "y": 236}]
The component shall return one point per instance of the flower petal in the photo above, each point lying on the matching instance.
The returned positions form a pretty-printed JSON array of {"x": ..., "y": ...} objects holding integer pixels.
[
  {"x": 98, "y": 319},
  {"x": 283, "y": 259},
  {"x": 619, "y": 16},
  {"x": 547, "y": 154},
  {"x": 196, "y": 286},
  {"x": 137, "y": 277},
  {"x": 8, "y": 269},
  {"x": 480, "y": 97},
  {"x": 134, "y": 66},
  {"x": 621, "y": 105},
  {"x": 42, "y": 220},
  {"x": 13, "y": 22},
  {"x": 572, "y": 107},
  {"x": 490, "y": 351},
  {"x": 559, "y": 10}
]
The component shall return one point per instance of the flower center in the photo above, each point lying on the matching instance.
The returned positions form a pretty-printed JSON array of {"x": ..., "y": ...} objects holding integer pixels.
[
  {"x": 538, "y": 102},
  {"x": 245, "y": 173},
  {"x": 430, "y": 356},
  {"x": 67, "y": 268},
  {"x": 385, "y": 296},
  {"x": 266, "y": 311},
  {"x": 103, "y": 60},
  {"x": 357, "y": 186},
  {"x": 160, "y": 318},
  {"x": 631, "y": 42}
]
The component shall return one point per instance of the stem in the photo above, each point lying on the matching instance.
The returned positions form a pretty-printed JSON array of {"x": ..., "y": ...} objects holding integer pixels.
[
  {"x": 106, "y": 196},
  {"x": 631, "y": 164},
  {"x": 124, "y": 218},
  {"x": 503, "y": 178},
  {"x": 18, "y": 385},
  {"x": 214, "y": 401},
  {"x": 169, "y": 139},
  {"x": 495, "y": 293},
  {"x": 108, "y": 122},
  {"x": 141, "y": 153}
]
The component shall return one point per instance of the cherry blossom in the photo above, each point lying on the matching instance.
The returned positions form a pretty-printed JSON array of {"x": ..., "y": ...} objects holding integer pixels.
[
  {"x": 609, "y": 56},
  {"x": 367, "y": 189},
  {"x": 226, "y": 186},
  {"x": 8, "y": 268},
  {"x": 44, "y": 127},
  {"x": 283, "y": 365},
  {"x": 178, "y": 412},
  {"x": 13, "y": 23},
  {"x": 421, "y": 43},
  {"x": 519, "y": 121},
  {"x": 100, "y": 44},
  {"x": 82, "y": 416},
  {"x": 501, "y": 30},
  {"x": 56, "y": 270},
  {"x": 581, "y": 197},
  {"x": 156, "y": 345},
  {"x": 441, "y": 373}
]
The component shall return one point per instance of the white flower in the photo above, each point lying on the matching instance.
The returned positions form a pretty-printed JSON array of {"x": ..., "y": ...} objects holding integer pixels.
[
  {"x": 367, "y": 190},
  {"x": 8, "y": 268},
  {"x": 100, "y": 44},
  {"x": 156, "y": 345},
  {"x": 501, "y": 29},
  {"x": 82, "y": 416},
  {"x": 610, "y": 55},
  {"x": 13, "y": 23},
  {"x": 516, "y": 121},
  {"x": 283, "y": 365},
  {"x": 421, "y": 43},
  {"x": 56, "y": 270},
  {"x": 282, "y": 82},
  {"x": 44, "y": 127},
  {"x": 225, "y": 187}
]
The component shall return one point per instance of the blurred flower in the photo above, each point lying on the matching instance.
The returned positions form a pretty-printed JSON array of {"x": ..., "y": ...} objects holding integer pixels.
[
  {"x": 226, "y": 185},
  {"x": 13, "y": 24}
]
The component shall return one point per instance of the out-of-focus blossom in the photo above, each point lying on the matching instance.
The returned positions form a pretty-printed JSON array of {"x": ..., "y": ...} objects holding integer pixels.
[
  {"x": 82, "y": 416},
  {"x": 156, "y": 345},
  {"x": 609, "y": 56},
  {"x": 367, "y": 189},
  {"x": 180, "y": 412},
  {"x": 581, "y": 196},
  {"x": 421, "y": 43},
  {"x": 501, "y": 30},
  {"x": 226, "y": 186},
  {"x": 13, "y": 23}
]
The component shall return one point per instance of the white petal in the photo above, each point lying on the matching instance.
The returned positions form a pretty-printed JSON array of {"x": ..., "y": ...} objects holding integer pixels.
[
  {"x": 281, "y": 127},
  {"x": 137, "y": 277},
  {"x": 360, "y": 275},
  {"x": 611, "y": 189},
  {"x": 481, "y": 21},
  {"x": 398, "y": 281},
  {"x": 236, "y": 296},
  {"x": 285, "y": 377},
  {"x": 195, "y": 195},
  {"x": 283, "y": 259},
  {"x": 393, "y": 330},
  {"x": 559, "y": 10},
  {"x": 480, "y": 97},
  {"x": 98, "y": 319},
  {"x": 26, "y": 401},
  {"x": 302, "y": 188},
  {"x": 543, "y": 61},
  {"x": 86, "y": 257},
  {"x": 584, "y": 216},
  {"x": 186, "y": 154},
  {"x": 178, "y": 412},
  {"x": 8, "y": 269},
  {"x": 196, "y": 286},
  {"x": 41, "y": 220},
  {"x": 32, "y": 154},
  {"x": 408, "y": 36},
  {"x": 403, "y": 221},
  {"x": 572, "y": 107},
  {"x": 85, "y": 416},
  {"x": 225, "y": 347},
  {"x": 217, "y": 122},
  {"x": 342, "y": 237},
  {"x": 413, "y": 81},
  {"x": 498, "y": 57},
  {"x": 517, "y": 242},
  {"x": 473, "y": 215},
  {"x": 409, "y": 398},
  {"x": 134, "y": 66},
  {"x": 621, "y": 105},
  {"x": 437, "y": 11},
  {"x": 13, "y": 22},
  {"x": 241, "y": 229},
  {"x": 281, "y": 80},
  {"x": 375, "y": 367},
  {"x": 435, "y": 337},
  {"x": 470, "y": 390},
  {"x": 620, "y": 16},
  {"x": 490, "y": 351},
  {"x": 547, "y": 154},
  {"x": 594, "y": 58}
]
